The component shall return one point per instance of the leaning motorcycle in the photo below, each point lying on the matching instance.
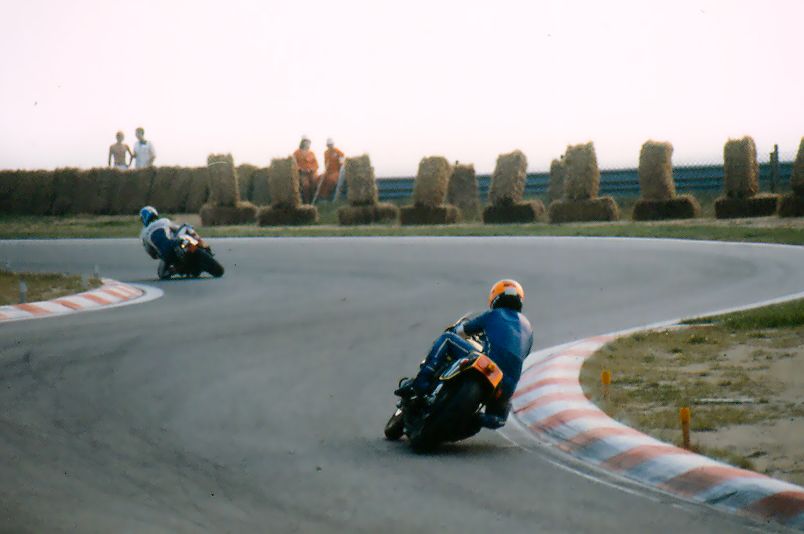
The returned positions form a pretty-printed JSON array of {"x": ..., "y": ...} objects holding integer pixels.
[
  {"x": 193, "y": 256},
  {"x": 449, "y": 412}
]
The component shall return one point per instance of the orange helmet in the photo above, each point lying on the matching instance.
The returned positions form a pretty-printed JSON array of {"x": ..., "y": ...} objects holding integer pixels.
[{"x": 507, "y": 293}]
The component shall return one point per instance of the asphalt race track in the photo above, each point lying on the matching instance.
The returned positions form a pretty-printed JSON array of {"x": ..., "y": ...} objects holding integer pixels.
[{"x": 256, "y": 402}]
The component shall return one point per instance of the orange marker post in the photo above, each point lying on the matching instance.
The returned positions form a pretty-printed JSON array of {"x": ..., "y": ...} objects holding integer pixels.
[
  {"x": 605, "y": 380},
  {"x": 684, "y": 415}
]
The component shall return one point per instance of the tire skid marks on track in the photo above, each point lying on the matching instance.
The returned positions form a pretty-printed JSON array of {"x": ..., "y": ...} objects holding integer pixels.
[
  {"x": 110, "y": 293},
  {"x": 550, "y": 403}
]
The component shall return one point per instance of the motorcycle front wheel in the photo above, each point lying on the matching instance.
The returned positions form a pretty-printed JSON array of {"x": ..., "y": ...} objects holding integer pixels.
[
  {"x": 395, "y": 426},
  {"x": 209, "y": 264}
]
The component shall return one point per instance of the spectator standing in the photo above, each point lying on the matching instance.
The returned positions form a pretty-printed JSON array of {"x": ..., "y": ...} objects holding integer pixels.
[
  {"x": 308, "y": 169},
  {"x": 333, "y": 161},
  {"x": 118, "y": 152},
  {"x": 144, "y": 151}
]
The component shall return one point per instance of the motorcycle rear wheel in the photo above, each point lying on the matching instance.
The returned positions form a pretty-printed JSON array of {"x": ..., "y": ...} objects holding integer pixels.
[
  {"x": 450, "y": 416},
  {"x": 395, "y": 426}
]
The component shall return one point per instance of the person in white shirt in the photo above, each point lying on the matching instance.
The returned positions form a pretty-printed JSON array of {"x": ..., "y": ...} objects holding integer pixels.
[{"x": 144, "y": 152}]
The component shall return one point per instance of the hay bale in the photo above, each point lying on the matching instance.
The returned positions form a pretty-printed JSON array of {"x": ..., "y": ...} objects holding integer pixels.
[
  {"x": 65, "y": 185},
  {"x": 245, "y": 180},
  {"x": 417, "y": 215},
  {"x": 791, "y": 205},
  {"x": 592, "y": 209},
  {"x": 432, "y": 180},
  {"x": 8, "y": 183},
  {"x": 241, "y": 213},
  {"x": 508, "y": 179},
  {"x": 132, "y": 191},
  {"x": 360, "y": 181},
  {"x": 279, "y": 215},
  {"x": 680, "y": 207},
  {"x": 797, "y": 177},
  {"x": 462, "y": 191},
  {"x": 582, "y": 181},
  {"x": 656, "y": 171},
  {"x": 223, "y": 188},
  {"x": 514, "y": 213},
  {"x": 558, "y": 174},
  {"x": 170, "y": 190},
  {"x": 198, "y": 189},
  {"x": 283, "y": 183},
  {"x": 761, "y": 205},
  {"x": 260, "y": 193},
  {"x": 380, "y": 213},
  {"x": 33, "y": 194},
  {"x": 740, "y": 168}
]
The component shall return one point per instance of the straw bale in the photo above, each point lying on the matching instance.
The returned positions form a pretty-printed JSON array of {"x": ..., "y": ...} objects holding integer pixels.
[
  {"x": 416, "y": 215},
  {"x": 245, "y": 180},
  {"x": 680, "y": 207},
  {"x": 583, "y": 176},
  {"x": 278, "y": 215},
  {"x": 797, "y": 178},
  {"x": 260, "y": 194},
  {"x": 94, "y": 189},
  {"x": 432, "y": 180},
  {"x": 380, "y": 213},
  {"x": 360, "y": 182},
  {"x": 283, "y": 183},
  {"x": 791, "y": 205},
  {"x": 740, "y": 168},
  {"x": 223, "y": 188},
  {"x": 760, "y": 205},
  {"x": 462, "y": 191},
  {"x": 132, "y": 191},
  {"x": 515, "y": 213},
  {"x": 170, "y": 189},
  {"x": 558, "y": 173},
  {"x": 8, "y": 183},
  {"x": 65, "y": 184},
  {"x": 508, "y": 179},
  {"x": 33, "y": 194},
  {"x": 592, "y": 209},
  {"x": 656, "y": 171},
  {"x": 198, "y": 189},
  {"x": 241, "y": 213}
]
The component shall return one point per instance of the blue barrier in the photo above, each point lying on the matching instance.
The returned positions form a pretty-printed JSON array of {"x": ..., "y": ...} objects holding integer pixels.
[{"x": 689, "y": 179}]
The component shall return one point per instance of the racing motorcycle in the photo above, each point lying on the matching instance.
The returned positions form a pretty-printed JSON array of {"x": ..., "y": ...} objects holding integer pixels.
[
  {"x": 193, "y": 257},
  {"x": 448, "y": 413}
]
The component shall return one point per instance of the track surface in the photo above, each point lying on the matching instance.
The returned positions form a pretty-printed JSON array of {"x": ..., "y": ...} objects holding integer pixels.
[{"x": 256, "y": 402}]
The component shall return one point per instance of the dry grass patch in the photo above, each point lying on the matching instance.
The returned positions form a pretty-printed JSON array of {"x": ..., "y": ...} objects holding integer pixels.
[
  {"x": 742, "y": 378},
  {"x": 41, "y": 286}
]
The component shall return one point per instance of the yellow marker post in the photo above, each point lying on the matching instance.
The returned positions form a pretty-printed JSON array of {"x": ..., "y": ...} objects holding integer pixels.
[
  {"x": 684, "y": 415},
  {"x": 605, "y": 380}
]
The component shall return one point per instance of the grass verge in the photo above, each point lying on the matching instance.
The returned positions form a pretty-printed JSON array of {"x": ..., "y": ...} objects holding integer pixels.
[
  {"x": 742, "y": 375},
  {"x": 41, "y": 286},
  {"x": 769, "y": 230}
]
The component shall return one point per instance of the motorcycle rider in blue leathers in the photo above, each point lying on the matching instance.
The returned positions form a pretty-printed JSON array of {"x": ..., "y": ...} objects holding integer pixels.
[
  {"x": 159, "y": 239},
  {"x": 508, "y": 340}
]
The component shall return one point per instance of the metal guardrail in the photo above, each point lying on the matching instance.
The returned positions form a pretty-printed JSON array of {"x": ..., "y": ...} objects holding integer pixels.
[{"x": 689, "y": 179}]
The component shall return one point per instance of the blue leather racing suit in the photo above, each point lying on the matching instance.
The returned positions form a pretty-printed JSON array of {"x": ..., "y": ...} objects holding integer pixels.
[
  {"x": 508, "y": 341},
  {"x": 159, "y": 239}
]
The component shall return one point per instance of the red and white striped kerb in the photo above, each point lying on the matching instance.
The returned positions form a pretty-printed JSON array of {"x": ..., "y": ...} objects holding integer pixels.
[
  {"x": 110, "y": 293},
  {"x": 549, "y": 402}
]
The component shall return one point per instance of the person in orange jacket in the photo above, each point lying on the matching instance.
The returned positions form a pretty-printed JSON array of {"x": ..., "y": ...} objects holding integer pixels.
[
  {"x": 308, "y": 169},
  {"x": 333, "y": 160}
]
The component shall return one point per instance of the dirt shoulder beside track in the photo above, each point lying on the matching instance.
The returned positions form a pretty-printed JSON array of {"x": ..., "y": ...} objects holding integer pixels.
[
  {"x": 41, "y": 286},
  {"x": 742, "y": 375}
]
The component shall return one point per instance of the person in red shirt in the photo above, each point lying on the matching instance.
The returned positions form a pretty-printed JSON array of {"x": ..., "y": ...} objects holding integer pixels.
[
  {"x": 333, "y": 161},
  {"x": 308, "y": 169}
]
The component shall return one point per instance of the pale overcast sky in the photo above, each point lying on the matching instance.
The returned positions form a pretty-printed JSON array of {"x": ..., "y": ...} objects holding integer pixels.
[{"x": 398, "y": 80}]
